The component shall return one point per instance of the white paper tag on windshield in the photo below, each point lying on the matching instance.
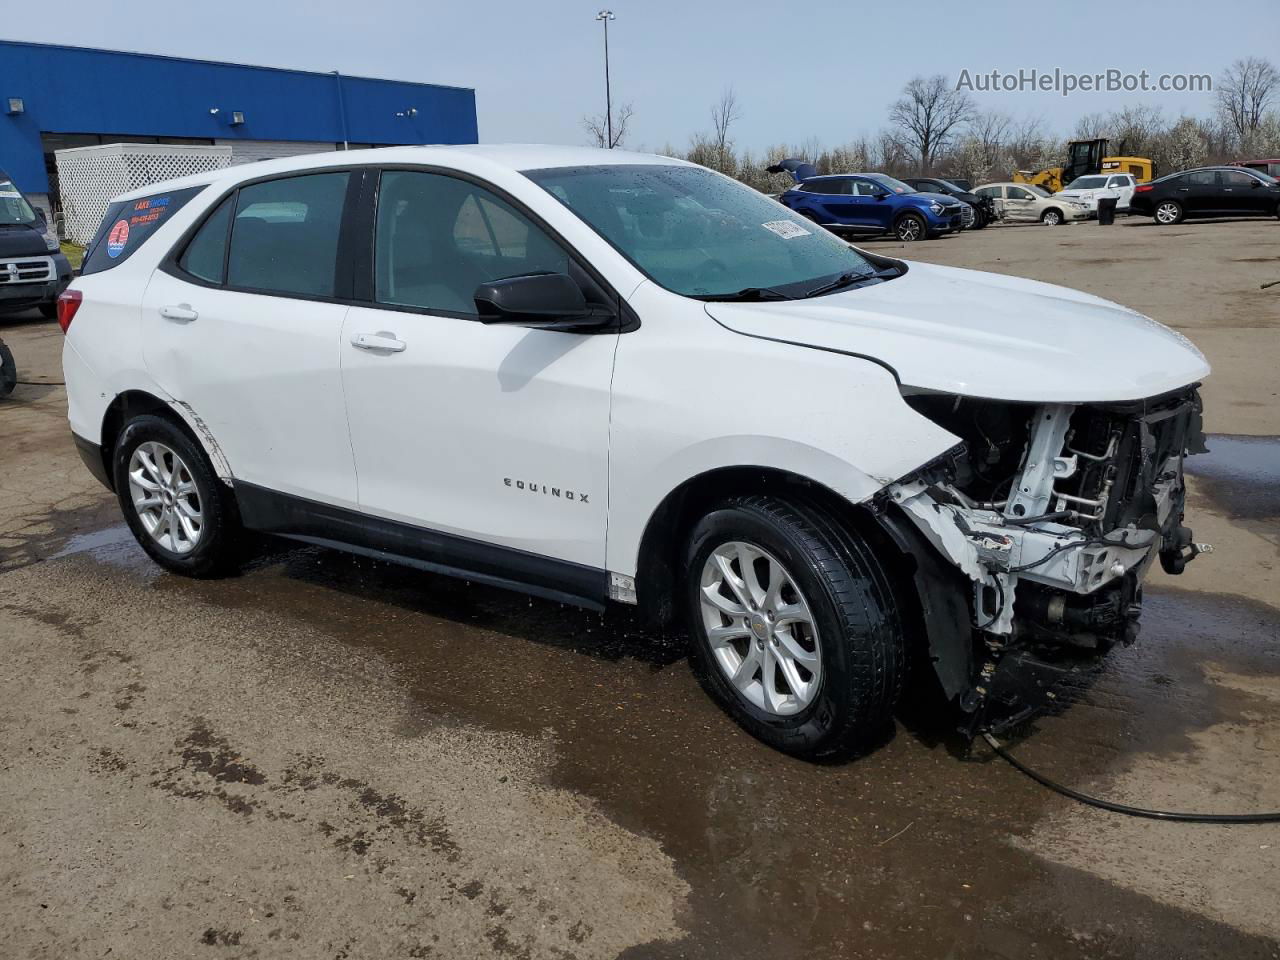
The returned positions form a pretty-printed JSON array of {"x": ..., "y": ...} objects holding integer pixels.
[
  {"x": 9, "y": 193},
  {"x": 786, "y": 229}
]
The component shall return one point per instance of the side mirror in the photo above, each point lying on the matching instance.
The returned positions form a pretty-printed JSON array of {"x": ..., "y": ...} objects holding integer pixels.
[
  {"x": 551, "y": 300},
  {"x": 1254, "y": 183}
]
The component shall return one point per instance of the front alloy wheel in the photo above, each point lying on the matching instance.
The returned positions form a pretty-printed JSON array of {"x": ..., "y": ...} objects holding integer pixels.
[
  {"x": 910, "y": 228},
  {"x": 796, "y": 631},
  {"x": 761, "y": 630},
  {"x": 1051, "y": 218},
  {"x": 165, "y": 497}
]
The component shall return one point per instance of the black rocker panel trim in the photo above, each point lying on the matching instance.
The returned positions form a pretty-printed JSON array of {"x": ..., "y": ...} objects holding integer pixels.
[{"x": 311, "y": 522}]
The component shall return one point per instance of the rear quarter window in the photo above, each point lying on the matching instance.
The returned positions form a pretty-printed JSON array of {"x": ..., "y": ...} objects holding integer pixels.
[{"x": 127, "y": 226}]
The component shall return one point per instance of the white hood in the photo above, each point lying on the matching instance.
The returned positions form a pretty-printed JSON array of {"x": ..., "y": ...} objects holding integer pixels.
[{"x": 985, "y": 335}]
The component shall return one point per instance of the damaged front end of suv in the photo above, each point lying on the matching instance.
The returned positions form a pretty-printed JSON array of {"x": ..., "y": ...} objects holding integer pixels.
[{"x": 1050, "y": 516}]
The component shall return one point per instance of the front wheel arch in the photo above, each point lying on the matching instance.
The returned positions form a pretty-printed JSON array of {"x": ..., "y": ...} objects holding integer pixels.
[{"x": 662, "y": 542}]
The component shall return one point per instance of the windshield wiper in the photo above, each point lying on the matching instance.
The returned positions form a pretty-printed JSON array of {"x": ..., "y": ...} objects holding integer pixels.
[
  {"x": 845, "y": 279},
  {"x": 745, "y": 294}
]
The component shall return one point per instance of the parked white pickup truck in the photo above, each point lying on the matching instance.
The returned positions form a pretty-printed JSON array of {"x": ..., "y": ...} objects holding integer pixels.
[{"x": 1091, "y": 189}]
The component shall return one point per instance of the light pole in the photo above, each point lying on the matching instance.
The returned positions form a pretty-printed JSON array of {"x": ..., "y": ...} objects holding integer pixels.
[{"x": 605, "y": 16}]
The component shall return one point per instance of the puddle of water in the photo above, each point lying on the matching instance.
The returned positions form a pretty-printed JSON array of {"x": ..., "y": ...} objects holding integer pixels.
[
  {"x": 96, "y": 540},
  {"x": 1242, "y": 475}
]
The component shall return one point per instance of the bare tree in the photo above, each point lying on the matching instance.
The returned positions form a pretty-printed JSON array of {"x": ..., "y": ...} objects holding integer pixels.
[
  {"x": 723, "y": 115},
  {"x": 597, "y": 127},
  {"x": 991, "y": 128},
  {"x": 929, "y": 113},
  {"x": 1134, "y": 130},
  {"x": 1245, "y": 91},
  {"x": 1090, "y": 127}
]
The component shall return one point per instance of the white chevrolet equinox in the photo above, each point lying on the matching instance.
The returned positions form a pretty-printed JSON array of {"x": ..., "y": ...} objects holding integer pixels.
[{"x": 600, "y": 376}]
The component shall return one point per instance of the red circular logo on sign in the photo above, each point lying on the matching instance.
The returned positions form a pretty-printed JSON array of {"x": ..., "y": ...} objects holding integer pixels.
[{"x": 117, "y": 238}]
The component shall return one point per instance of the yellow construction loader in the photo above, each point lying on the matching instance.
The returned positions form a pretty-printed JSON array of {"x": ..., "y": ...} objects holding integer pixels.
[{"x": 1085, "y": 157}]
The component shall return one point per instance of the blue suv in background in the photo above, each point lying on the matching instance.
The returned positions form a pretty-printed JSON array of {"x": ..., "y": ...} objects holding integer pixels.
[{"x": 869, "y": 203}]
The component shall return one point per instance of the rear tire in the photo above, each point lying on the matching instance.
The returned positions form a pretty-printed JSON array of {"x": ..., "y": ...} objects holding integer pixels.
[
  {"x": 847, "y": 656},
  {"x": 49, "y": 311},
  {"x": 1168, "y": 212},
  {"x": 181, "y": 514}
]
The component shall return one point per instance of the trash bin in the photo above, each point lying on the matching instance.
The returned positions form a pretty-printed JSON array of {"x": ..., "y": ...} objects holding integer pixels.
[{"x": 1107, "y": 211}]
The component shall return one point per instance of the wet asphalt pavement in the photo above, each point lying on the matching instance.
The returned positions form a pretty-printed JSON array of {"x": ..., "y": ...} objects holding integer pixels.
[{"x": 333, "y": 757}]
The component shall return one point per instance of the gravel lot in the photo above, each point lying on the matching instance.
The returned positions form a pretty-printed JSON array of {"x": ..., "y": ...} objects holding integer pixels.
[{"x": 329, "y": 757}]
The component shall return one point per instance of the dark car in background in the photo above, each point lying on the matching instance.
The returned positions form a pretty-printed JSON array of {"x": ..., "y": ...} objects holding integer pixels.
[
  {"x": 1208, "y": 192},
  {"x": 868, "y": 204},
  {"x": 33, "y": 270},
  {"x": 984, "y": 209}
]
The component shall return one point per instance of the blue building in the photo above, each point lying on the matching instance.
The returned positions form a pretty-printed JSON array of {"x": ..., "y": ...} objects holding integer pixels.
[{"x": 52, "y": 97}]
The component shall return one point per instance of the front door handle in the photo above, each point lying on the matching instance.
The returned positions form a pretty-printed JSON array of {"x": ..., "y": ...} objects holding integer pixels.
[
  {"x": 383, "y": 341},
  {"x": 180, "y": 311}
]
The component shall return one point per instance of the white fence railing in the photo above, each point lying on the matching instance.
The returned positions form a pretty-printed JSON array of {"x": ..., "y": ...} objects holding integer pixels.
[{"x": 88, "y": 177}]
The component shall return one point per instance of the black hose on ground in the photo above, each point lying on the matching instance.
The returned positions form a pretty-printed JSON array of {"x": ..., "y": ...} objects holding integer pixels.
[{"x": 1123, "y": 807}]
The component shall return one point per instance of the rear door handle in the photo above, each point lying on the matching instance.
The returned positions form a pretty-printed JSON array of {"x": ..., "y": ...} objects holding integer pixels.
[
  {"x": 386, "y": 342},
  {"x": 181, "y": 311}
]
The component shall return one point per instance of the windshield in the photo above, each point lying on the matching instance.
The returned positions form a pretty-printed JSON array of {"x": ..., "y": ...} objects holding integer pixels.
[
  {"x": 1087, "y": 183},
  {"x": 13, "y": 205},
  {"x": 697, "y": 233},
  {"x": 897, "y": 186}
]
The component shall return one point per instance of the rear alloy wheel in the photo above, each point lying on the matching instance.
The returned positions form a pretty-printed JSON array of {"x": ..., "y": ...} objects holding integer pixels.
[
  {"x": 795, "y": 629},
  {"x": 181, "y": 514},
  {"x": 910, "y": 228},
  {"x": 165, "y": 497},
  {"x": 1052, "y": 218},
  {"x": 1168, "y": 212}
]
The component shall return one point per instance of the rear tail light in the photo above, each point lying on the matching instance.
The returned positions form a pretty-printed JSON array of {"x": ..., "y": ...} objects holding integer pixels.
[
  {"x": 68, "y": 303},
  {"x": 1143, "y": 188}
]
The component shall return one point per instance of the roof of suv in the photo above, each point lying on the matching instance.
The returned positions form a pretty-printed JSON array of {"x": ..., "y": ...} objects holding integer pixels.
[{"x": 509, "y": 156}]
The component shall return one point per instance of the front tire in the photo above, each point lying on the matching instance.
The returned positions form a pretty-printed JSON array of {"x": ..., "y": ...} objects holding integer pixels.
[
  {"x": 795, "y": 630},
  {"x": 181, "y": 514},
  {"x": 1051, "y": 218},
  {"x": 911, "y": 227},
  {"x": 1168, "y": 212}
]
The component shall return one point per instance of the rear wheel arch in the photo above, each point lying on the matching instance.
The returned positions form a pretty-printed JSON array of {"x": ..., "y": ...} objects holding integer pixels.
[{"x": 134, "y": 403}]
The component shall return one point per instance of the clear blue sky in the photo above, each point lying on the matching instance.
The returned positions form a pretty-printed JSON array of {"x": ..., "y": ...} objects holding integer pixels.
[{"x": 817, "y": 69}]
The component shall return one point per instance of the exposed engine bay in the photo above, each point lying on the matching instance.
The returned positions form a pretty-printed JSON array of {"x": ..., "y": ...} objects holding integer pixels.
[{"x": 1053, "y": 513}]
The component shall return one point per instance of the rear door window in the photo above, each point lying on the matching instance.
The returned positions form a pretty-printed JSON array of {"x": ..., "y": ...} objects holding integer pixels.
[
  {"x": 834, "y": 187},
  {"x": 284, "y": 238},
  {"x": 127, "y": 226}
]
